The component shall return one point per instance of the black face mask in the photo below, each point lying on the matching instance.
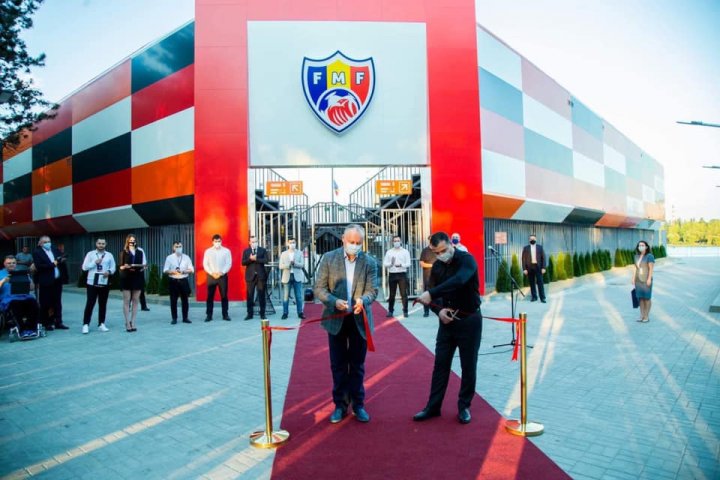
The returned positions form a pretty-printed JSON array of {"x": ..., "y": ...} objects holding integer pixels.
[{"x": 532, "y": 242}]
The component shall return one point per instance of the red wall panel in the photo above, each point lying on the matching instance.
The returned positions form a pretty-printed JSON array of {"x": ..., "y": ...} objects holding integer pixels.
[
  {"x": 50, "y": 127},
  {"x": 221, "y": 71},
  {"x": 19, "y": 211},
  {"x": 172, "y": 94},
  {"x": 110, "y": 88},
  {"x": 107, "y": 191}
]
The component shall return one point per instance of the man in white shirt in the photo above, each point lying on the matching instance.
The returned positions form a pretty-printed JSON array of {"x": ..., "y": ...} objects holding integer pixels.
[
  {"x": 397, "y": 262},
  {"x": 293, "y": 276},
  {"x": 177, "y": 267},
  {"x": 99, "y": 265},
  {"x": 455, "y": 240},
  {"x": 217, "y": 262}
]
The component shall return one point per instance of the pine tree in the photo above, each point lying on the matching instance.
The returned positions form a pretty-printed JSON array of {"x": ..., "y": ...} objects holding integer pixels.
[
  {"x": 164, "y": 286},
  {"x": 576, "y": 265},
  {"x": 515, "y": 271},
  {"x": 560, "y": 273},
  {"x": 569, "y": 266},
  {"x": 502, "y": 284},
  {"x": 153, "y": 282},
  {"x": 551, "y": 269},
  {"x": 588, "y": 263},
  {"x": 19, "y": 111}
]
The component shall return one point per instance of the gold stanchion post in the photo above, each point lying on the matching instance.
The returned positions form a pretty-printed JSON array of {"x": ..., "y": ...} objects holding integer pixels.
[
  {"x": 523, "y": 427},
  {"x": 267, "y": 438}
]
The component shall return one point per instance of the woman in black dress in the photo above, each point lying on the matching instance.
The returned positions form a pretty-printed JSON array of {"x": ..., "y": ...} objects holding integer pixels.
[{"x": 132, "y": 266}]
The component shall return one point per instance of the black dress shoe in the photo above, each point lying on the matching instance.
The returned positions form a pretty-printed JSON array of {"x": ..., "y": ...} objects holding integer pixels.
[
  {"x": 145, "y": 309},
  {"x": 533, "y": 299},
  {"x": 425, "y": 414},
  {"x": 226, "y": 318},
  {"x": 284, "y": 316},
  {"x": 337, "y": 415},
  {"x": 301, "y": 316},
  {"x": 405, "y": 313},
  {"x": 389, "y": 314},
  {"x": 543, "y": 300},
  {"x": 174, "y": 321},
  {"x": 248, "y": 317},
  {"x": 464, "y": 416},
  {"x": 49, "y": 328},
  {"x": 361, "y": 414},
  {"x": 426, "y": 314},
  {"x": 208, "y": 319},
  {"x": 61, "y": 326},
  {"x": 185, "y": 320}
]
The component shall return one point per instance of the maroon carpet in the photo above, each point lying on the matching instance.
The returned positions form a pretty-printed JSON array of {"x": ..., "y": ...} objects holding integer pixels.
[{"x": 392, "y": 446}]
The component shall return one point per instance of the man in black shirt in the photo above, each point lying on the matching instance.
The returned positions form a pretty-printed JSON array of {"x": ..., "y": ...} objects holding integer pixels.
[{"x": 453, "y": 295}]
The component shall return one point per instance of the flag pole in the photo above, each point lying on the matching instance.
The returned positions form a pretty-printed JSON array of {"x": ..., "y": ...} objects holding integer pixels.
[{"x": 332, "y": 184}]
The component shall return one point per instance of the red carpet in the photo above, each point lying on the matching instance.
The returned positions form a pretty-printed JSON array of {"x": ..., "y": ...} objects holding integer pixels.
[{"x": 392, "y": 446}]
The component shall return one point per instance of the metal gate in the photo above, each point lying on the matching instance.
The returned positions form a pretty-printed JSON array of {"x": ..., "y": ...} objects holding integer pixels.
[
  {"x": 408, "y": 225},
  {"x": 272, "y": 230}
]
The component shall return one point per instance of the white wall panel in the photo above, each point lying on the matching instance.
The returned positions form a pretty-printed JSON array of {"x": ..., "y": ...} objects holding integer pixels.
[
  {"x": 502, "y": 174},
  {"x": 648, "y": 194},
  {"x": 545, "y": 212},
  {"x": 614, "y": 159},
  {"x": 547, "y": 122},
  {"x": 55, "y": 203},
  {"x": 102, "y": 126},
  {"x": 498, "y": 59},
  {"x": 169, "y": 136},
  {"x": 17, "y": 166},
  {"x": 588, "y": 170},
  {"x": 117, "y": 218}
]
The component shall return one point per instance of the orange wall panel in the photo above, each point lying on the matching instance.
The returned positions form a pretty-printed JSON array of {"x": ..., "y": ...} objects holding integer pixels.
[
  {"x": 25, "y": 143},
  {"x": 50, "y": 177},
  {"x": 112, "y": 87},
  {"x": 495, "y": 206},
  {"x": 167, "y": 178}
]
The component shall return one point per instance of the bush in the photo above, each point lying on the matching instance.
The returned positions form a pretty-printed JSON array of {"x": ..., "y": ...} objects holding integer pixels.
[
  {"x": 82, "y": 279},
  {"x": 164, "y": 286},
  {"x": 560, "y": 273},
  {"x": 546, "y": 275},
  {"x": 618, "y": 258},
  {"x": 515, "y": 271},
  {"x": 576, "y": 265},
  {"x": 502, "y": 284},
  {"x": 595, "y": 261},
  {"x": 663, "y": 251},
  {"x": 588, "y": 263},
  {"x": 569, "y": 270},
  {"x": 551, "y": 269},
  {"x": 153, "y": 282}
]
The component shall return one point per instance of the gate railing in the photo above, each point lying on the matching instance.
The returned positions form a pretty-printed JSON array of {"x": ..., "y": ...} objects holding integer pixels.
[{"x": 365, "y": 194}]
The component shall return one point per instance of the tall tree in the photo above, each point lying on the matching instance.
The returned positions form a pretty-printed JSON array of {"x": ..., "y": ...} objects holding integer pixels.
[{"x": 21, "y": 103}]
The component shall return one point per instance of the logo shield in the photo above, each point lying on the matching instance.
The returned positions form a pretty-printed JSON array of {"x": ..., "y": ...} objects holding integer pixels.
[{"x": 338, "y": 89}]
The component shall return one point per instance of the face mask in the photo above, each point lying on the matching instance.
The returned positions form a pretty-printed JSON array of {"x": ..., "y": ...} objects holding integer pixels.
[
  {"x": 396, "y": 244},
  {"x": 446, "y": 256},
  {"x": 641, "y": 248},
  {"x": 253, "y": 245},
  {"x": 291, "y": 246},
  {"x": 217, "y": 245},
  {"x": 532, "y": 242},
  {"x": 178, "y": 250},
  {"x": 47, "y": 245},
  {"x": 455, "y": 241},
  {"x": 352, "y": 249}
]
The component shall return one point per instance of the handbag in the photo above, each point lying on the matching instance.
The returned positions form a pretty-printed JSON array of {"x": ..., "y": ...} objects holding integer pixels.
[{"x": 635, "y": 301}]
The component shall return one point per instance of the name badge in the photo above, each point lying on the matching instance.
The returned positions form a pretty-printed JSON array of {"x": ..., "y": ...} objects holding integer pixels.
[{"x": 99, "y": 267}]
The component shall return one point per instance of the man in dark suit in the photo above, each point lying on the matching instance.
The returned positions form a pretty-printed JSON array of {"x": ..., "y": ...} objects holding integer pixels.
[
  {"x": 47, "y": 260},
  {"x": 533, "y": 264},
  {"x": 254, "y": 259},
  {"x": 453, "y": 295},
  {"x": 344, "y": 302}
]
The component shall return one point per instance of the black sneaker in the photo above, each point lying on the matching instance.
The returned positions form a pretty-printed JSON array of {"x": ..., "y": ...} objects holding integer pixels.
[
  {"x": 208, "y": 318},
  {"x": 61, "y": 326},
  {"x": 226, "y": 318},
  {"x": 186, "y": 321},
  {"x": 301, "y": 316},
  {"x": 174, "y": 321},
  {"x": 284, "y": 316},
  {"x": 248, "y": 317}
]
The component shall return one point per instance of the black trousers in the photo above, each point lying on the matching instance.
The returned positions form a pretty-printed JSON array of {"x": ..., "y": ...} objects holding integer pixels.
[
  {"x": 25, "y": 313},
  {"x": 51, "y": 303},
  {"x": 535, "y": 277},
  {"x": 179, "y": 287},
  {"x": 347, "y": 363},
  {"x": 396, "y": 280},
  {"x": 99, "y": 294},
  {"x": 259, "y": 285},
  {"x": 426, "y": 282},
  {"x": 212, "y": 285},
  {"x": 465, "y": 335}
]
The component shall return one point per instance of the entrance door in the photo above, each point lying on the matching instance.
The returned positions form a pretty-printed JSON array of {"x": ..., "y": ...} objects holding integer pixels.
[{"x": 273, "y": 229}]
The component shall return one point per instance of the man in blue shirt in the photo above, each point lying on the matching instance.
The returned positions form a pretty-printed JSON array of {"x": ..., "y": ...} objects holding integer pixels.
[{"x": 23, "y": 305}]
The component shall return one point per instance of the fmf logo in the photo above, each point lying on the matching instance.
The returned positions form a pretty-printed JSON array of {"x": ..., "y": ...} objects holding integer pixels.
[{"x": 338, "y": 88}]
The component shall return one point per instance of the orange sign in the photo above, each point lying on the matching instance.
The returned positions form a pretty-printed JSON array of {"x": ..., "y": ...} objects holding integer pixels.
[
  {"x": 393, "y": 187},
  {"x": 284, "y": 188}
]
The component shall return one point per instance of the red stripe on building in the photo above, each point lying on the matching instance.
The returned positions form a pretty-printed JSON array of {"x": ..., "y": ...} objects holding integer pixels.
[
  {"x": 107, "y": 191},
  {"x": 107, "y": 90},
  {"x": 172, "y": 94}
]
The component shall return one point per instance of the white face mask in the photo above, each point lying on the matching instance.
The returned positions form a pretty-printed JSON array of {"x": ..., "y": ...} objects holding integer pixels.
[
  {"x": 641, "y": 248},
  {"x": 178, "y": 250},
  {"x": 217, "y": 245},
  {"x": 447, "y": 255},
  {"x": 352, "y": 249},
  {"x": 291, "y": 246},
  {"x": 47, "y": 245},
  {"x": 253, "y": 245},
  {"x": 396, "y": 244}
]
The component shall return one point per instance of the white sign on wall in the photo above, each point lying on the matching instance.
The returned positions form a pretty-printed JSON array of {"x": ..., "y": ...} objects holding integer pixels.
[{"x": 283, "y": 123}]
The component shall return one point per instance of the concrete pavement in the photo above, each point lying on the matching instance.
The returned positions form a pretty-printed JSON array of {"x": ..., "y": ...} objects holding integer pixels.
[{"x": 619, "y": 399}]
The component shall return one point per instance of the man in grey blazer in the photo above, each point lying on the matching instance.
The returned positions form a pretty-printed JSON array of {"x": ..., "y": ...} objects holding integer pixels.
[{"x": 346, "y": 283}]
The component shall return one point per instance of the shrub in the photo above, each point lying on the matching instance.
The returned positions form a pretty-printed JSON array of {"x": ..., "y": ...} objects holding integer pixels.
[
  {"x": 618, "y": 258},
  {"x": 663, "y": 251},
  {"x": 560, "y": 273},
  {"x": 569, "y": 270},
  {"x": 153, "y": 282},
  {"x": 551, "y": 269},
  {"x": 82, "y": 279},
  {"x": 576, "y": 265},
  {"x": 164, "y": 286},
  {"x": 588, "y": 263},
  {"x": 595, "y": 261},
  {"x": 502, "y": 284},
  {"x": 546, "y": 275},
  {"x": 515, "y": 271}
]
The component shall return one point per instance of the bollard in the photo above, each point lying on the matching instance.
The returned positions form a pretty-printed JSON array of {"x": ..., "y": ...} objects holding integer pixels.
[
  {"x": 523, "y": 427},
  {"x": 267, "y": 438}
]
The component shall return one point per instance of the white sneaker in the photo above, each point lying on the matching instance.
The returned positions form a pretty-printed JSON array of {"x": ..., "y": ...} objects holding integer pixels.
[
  {"x": 86, "y": 329},
  {"x": 103, "y": 328}
]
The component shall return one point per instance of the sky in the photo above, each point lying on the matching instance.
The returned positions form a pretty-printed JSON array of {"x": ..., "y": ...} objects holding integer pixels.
[{"x": 642, "y": 65}]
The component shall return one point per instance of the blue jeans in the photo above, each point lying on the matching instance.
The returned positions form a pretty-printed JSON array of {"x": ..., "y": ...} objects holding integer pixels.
[{"x": 299, "y": 295}]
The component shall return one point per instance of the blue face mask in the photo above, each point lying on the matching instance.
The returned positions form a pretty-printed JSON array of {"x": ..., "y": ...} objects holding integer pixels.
[
  {"x": 47, "y": 245},
  {"x": 455, "y": 241}
]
